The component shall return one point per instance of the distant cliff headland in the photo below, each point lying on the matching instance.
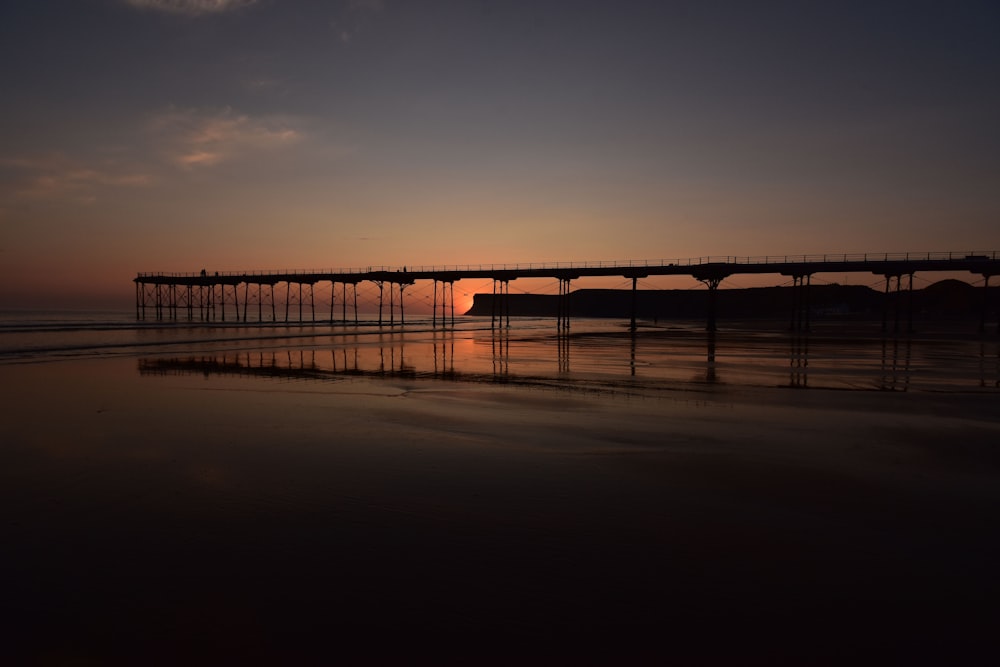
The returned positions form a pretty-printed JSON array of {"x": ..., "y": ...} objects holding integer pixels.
[{"x": 946, "y": 299}]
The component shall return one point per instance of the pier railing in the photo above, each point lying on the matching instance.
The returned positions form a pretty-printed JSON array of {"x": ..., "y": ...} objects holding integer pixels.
[{"x": 614, "y": 264}]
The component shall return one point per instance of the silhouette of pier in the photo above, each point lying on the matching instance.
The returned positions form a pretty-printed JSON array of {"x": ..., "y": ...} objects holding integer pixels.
[{"x": 205, "y": 296}]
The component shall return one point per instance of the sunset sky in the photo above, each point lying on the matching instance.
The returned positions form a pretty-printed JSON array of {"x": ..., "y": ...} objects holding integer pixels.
[{"x": 176, "y": 135}]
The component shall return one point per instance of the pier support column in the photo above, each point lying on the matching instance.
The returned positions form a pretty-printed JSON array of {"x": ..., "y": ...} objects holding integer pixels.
[
  {"x": 172, "y": 301},
  {"x": 800, "y": 302},
  {"x": 893, "y": 299},
  {"x": 899, "y": 289},
  {"x": 807, "y": 306},
  {"x": 312, "y": 301},
  {"x": 506, "y": 300},
  {"x": 150, "y": 299},
  {"x": 333, "y": 299},
  {"x": 343, "y": 303},
  {"x": 909, "y": 305},
  {"x": 442, "y": 303},
  {"x": 631, "y": 326},
  {"x": 501, "y": 301},
  {"x": 986, "y": 304},
  {"x": 140, "y": 302},
  {"x": 288, "y": 298},
  {"x": 498, "y": 302},
  {"x": 563, "y": 305},
  {"x": 633, "y": 315},
  {"x": 354, "y": 293},
  {"x": 885, "y": 304},
  {"x": 503, "y": 310},
  {"x": 793, "y": 325},
  {"x": 493, "y": 306},
  {"x": 559, "y": 307},
  {"x": 380, "y": 284},
  {"x": 712, "y": 283},
  {"x": 236, "y": 303}
]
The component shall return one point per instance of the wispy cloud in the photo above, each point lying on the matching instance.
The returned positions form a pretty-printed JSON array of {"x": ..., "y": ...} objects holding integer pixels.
[
  {"x": 194, "y": 138},
  {"x": 261, "y": 84},
  {"x": 58, "y": 176},
  {"x": 191, "y": 7},
  {"x": 188, "y": 139},
  {"x": 349, "y": 25}
]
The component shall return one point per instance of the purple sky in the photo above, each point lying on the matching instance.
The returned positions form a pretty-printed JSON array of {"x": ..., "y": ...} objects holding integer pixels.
[{"x": 175, "y": 135}]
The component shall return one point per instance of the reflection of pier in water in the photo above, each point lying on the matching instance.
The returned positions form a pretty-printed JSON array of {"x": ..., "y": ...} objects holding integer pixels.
[
  {"x": 285, "y": 364},
  {"x": 329, "y": 365},
  {"x": 399, "y": 358},
  {"x": 896, "y": 357},
  {"x": 798, "y": 362},
  {"x": 989, "y": 364},
  {"x": 667, "y": 359}
]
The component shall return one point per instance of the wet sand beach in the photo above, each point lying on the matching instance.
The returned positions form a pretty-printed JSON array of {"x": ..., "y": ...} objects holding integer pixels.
[{"x": 221, "y": 516}]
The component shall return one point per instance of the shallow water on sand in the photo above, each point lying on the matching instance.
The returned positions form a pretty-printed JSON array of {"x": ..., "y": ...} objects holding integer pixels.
[
  {"x": 335, "y": 494},
  {"x": 941, "y": 357},
  {"x": 597, "y": 355}
]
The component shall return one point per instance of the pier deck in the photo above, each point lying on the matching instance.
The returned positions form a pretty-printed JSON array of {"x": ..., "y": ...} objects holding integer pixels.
[{"x": 208, "y": 293}]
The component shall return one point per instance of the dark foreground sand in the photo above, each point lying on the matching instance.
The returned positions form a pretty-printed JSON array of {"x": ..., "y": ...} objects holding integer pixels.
[{"x": 190, "y": 519}]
